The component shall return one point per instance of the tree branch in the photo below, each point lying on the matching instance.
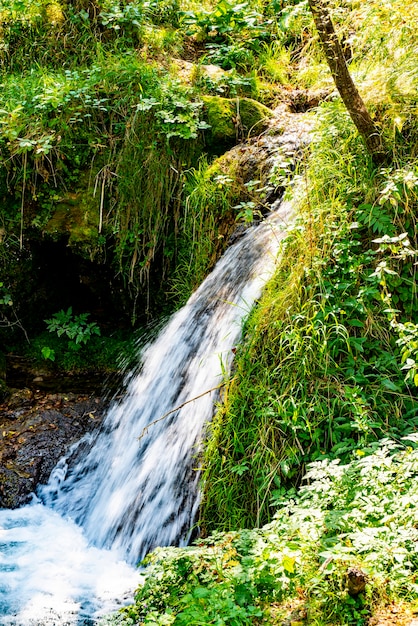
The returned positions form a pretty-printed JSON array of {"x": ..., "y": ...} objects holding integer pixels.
[{"x": 177, "y": 408}]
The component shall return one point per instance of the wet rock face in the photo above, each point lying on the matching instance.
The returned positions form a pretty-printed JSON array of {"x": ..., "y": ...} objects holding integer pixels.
[{"x": 36, "y": 429}]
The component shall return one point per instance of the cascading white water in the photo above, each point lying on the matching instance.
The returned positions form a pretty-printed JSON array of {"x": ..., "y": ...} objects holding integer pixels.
[
  {"x": 135, "y": 494},
  {"x": 66, "y": 555}
]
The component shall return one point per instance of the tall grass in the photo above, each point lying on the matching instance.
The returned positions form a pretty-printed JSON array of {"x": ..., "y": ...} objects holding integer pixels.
[
  {"x": 146, "y": 217},
  {"x": 204, "y": 226}
]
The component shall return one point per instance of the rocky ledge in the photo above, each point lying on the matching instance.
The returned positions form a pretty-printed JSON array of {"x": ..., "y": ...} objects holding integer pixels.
[{"x": 36, "y": 429}]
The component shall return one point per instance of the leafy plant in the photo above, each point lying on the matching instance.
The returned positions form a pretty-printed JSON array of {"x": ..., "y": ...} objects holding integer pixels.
[
  {"x": 232, "y": 32},
  {"x": 177, "y": 115},
  {"x": 5, "y": 297},
  {"x": 162, "y": 11},
  {"x": 247, "y": 211},
  {"x": 75, "y": 328},
  {"x": 234, "y": 55},
  {"x": 229, "y": 84},
  {"x": 359, "y": 515},
  {"x": 225, "y": 19},
  {"x": 48, "y": 353},
  {"x": 127, "y": 19}
]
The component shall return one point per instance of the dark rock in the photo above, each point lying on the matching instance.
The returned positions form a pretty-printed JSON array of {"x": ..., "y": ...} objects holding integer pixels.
[
  {"x": 36, "y": 429},
  {"x": 301, "y": 100},
  {"x": 356, "y": 581}
]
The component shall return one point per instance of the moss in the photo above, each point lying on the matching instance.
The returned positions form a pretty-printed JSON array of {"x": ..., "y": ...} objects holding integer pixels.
[
  {"x": 53, "y": 14},
  {"x": 232, "y": 119},
  {"x": 76, "y": 217}
]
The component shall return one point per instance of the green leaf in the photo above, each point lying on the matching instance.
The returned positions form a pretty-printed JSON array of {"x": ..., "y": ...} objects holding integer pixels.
[
  {"x": 201, "y": 592},
  {"x": 289, "y": 564},
  {"x": 48, "y": 353},
  {"x": 390, "y": 385},
  {"x": 356, "y": 323}
]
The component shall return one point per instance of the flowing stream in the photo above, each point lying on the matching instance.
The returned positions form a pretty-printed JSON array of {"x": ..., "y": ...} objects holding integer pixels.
[{"x": 70, "y": 555}]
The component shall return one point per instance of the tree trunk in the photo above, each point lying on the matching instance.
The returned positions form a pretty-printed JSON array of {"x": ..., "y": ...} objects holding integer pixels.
[{"x": 348, "y": 91}]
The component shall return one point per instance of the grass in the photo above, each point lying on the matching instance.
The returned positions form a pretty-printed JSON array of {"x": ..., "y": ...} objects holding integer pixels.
[
  {"x": 319, "y": 372},
  {"x": 203, "y": 225}
]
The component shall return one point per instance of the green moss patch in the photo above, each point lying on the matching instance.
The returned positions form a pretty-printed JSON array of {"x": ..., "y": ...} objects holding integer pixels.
[
  {"x": 232, "y": 119},
  {"x": 76, "y": 216}
]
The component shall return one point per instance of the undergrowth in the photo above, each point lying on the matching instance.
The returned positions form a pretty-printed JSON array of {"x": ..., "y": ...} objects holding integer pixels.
[
  {"x": 361, "y": 516},
  {"x": 94, "y": 117},
  {"x": 123, "y": 130}
]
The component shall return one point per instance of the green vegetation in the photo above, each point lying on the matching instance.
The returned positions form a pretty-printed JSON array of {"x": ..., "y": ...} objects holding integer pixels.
[
  {"x": 321, "y": 370},
  {"x": 100, "y": 134},
  {"x": 114, "y": 124},
  {"x": 75, "y": 327},
  {"x": 357, "y": 517},
  {"x": 106, "y": 354}
]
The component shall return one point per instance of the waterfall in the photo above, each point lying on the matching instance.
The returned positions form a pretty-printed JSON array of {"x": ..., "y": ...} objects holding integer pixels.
[
  {"x": 136, "y": 488},
  {"x": 69, "y": 555}
]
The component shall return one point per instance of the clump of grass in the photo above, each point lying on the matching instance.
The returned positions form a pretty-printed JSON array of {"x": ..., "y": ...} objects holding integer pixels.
[
  {"x": 274, "y": 63},
  {"x": 204, "y": 224}
]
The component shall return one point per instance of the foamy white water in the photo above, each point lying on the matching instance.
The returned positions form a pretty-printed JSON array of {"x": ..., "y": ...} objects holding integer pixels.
[
  {"x": 49, "y": 574},
  {"x": 69, "y": 557}
]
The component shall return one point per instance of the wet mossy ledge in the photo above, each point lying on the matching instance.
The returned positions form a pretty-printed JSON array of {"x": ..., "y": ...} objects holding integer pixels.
[
  {"x": 234, "y": 119},
  {"x": 85, "y": 216},
  {"x": 75, "y": 218}
]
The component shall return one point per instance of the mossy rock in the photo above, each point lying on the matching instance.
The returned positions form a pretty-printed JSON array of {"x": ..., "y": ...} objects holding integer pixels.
[
  {"x": 76, "y": 218},
  {"x": 52, "y": 14},
  {"x": 234, "y": 119}
]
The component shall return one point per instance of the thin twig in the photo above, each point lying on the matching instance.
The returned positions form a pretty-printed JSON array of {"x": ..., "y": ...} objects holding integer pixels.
[
  {"x": 177, "y": 408},
  {"x": 22, "y": 206},
  {"x": 101, "y": 204}
]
